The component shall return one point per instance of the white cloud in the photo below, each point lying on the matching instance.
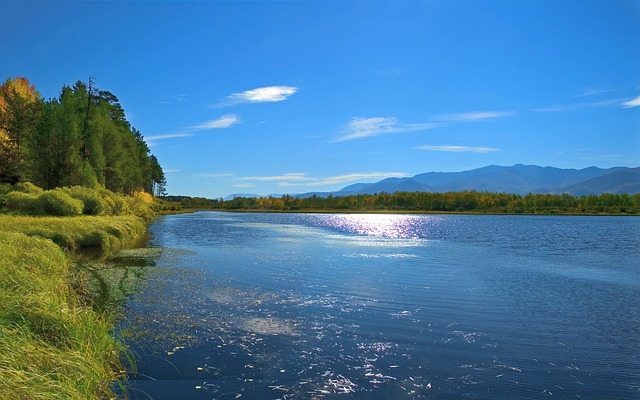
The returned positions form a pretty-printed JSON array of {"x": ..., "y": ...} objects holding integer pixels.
[
  {"x": 295, "y": 177},
  {"x": 223, "y": 122},
  {"x": 268, "y": 94},
  {"x": 581, "y": 106},
  {"x": 360, "y": 127},
  {"x": 476, "y": 116},
  {"x": 300, "y": 179},
  {"x": 592, "y": 92},
  {"x": 334, "y": 180},
  {"x": 457, "y": 149},
  {"x": 364, "y": 127},
  {"x": 632, "y": 103},
  {"x": 153, "y": 138}
]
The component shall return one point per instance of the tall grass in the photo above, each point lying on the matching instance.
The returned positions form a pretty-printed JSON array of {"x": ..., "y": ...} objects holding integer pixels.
[
  {"x": 51, "y": 346},
  {"x": 77, "y": 232}
]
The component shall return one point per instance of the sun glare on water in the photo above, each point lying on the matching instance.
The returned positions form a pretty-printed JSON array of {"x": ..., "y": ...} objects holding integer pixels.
[{"x": 382, "y": 225}]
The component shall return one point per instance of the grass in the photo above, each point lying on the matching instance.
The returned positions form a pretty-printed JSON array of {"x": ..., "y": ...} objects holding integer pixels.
[
  {"x": 78, "y": 232},
  {"x": 52, "y": 345}
]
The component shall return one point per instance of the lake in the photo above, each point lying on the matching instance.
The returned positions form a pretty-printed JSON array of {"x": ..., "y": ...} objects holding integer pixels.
[{"x": 381, "y": 306}]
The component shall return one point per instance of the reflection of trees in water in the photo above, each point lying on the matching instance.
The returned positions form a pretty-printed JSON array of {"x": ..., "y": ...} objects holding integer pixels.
[{"x": 109, "y": 281}]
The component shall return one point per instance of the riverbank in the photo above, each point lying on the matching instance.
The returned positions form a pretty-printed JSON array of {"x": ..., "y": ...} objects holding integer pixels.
[{"x": 54, "y": 343}]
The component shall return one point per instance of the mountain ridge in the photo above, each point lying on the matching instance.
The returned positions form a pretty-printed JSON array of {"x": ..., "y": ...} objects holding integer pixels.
[{"x": 519, "y": 179}]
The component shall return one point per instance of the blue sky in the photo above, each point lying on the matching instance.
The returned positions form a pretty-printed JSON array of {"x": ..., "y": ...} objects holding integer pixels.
[{"x": 296, "y": 96}]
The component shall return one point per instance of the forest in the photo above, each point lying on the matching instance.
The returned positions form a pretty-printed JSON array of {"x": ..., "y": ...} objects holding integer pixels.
[
  {"x": 81, "y": 138},
  {"x": 468, "y": 202}
]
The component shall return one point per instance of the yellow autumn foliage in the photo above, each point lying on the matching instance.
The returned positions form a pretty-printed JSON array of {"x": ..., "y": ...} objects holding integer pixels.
[{"x": 143, "y": 196}]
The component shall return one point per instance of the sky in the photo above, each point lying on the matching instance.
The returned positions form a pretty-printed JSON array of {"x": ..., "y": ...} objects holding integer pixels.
[{"x": 270, "y": 97}]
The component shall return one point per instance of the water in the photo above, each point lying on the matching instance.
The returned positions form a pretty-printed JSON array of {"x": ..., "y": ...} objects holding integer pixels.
[{"x": 266, "y": 306}]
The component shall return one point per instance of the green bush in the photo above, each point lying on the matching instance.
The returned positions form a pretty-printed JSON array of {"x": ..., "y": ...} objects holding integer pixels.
[
  {"x": 58, "y": 202},
  {"x": 93, "y": 203},
  {"x": 27, "y": 187},
  {"x": 5, "y": 188},
  {"x": 25, "y": 203}
]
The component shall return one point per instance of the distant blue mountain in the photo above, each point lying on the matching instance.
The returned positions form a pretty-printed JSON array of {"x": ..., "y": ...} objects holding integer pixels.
[{"x": 520, "y": 179}]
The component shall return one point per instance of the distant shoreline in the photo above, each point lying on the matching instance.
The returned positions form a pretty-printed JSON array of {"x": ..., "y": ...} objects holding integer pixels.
[
  {"x": 465, "y": 202},
  {"x": 339, "y": 211}
]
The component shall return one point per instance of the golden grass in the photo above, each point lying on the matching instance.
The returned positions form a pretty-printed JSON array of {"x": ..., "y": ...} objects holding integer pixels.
[
  {"x": 77, "y": 232},
  {"x": 51, "y": 346}
]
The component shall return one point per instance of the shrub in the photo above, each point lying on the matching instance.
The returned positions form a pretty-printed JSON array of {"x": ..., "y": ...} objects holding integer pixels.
[
  {"x": 27, "y": 187},
  {"x": 5, "y": 188},
  {"x": 58, "y": 202},
  {"x": 139, "y": 208},
  {"x": 143, "y": 196},
  {"x": 26, "y": 203},
  {"x": 93, "y": 203}
]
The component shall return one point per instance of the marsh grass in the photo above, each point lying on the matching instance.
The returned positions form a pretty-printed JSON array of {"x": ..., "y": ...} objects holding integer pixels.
[
  {"x": 52, "y": 346},
  {"x": 78, "y": 232},
  {"x": 56, "y": 342}
]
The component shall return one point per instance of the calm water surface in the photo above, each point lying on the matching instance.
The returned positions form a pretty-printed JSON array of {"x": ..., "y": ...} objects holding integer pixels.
[{"x": 267, "y": 306}]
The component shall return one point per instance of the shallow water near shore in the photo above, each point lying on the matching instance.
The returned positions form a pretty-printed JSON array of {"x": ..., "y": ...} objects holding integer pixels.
[{"x": 372, "y": 306}]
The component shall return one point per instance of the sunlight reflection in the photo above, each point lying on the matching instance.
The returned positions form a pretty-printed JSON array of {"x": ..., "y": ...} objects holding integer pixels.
[{"x": 384, "y": 225}]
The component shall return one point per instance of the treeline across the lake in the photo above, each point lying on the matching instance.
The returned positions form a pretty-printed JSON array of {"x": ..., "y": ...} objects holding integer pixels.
[
  {"x": 467, "y": 201},
  {"x": 81, "y": 138}
]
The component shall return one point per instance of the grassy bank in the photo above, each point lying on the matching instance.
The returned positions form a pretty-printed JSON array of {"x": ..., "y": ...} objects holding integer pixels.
[
  {"x": 53, "y": 343},
  {"x": 52, "y": 346},
  {"x": 78, "y": 232}
]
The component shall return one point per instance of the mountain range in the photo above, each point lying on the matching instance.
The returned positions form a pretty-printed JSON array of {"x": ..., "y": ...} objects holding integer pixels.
[{"x": 520, "y": 179}]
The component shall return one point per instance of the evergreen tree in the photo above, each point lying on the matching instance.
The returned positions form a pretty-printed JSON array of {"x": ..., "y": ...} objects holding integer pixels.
[{"x": 80, "y": 138}]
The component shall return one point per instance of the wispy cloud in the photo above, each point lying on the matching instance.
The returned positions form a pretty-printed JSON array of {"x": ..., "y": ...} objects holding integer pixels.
[
  {"x": 360, "y": 127},
  {"x": 223, "y": 122},
  {"x": 457, "y": 149},
  {"x": 301, "y": 179},
  {"x": 290, "y": 177},
  {"x": 155, "y": 140},
  {"x": 167, "y": 136},
  {"x": 268, "y": 94},
  {"x": 631, "y": 103},
  {"x": 347, "y": 178},
  {"x": 581, "y": 106},
  {"x": 476, "y": 116},
  {"x": 592, "y": 92}
]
